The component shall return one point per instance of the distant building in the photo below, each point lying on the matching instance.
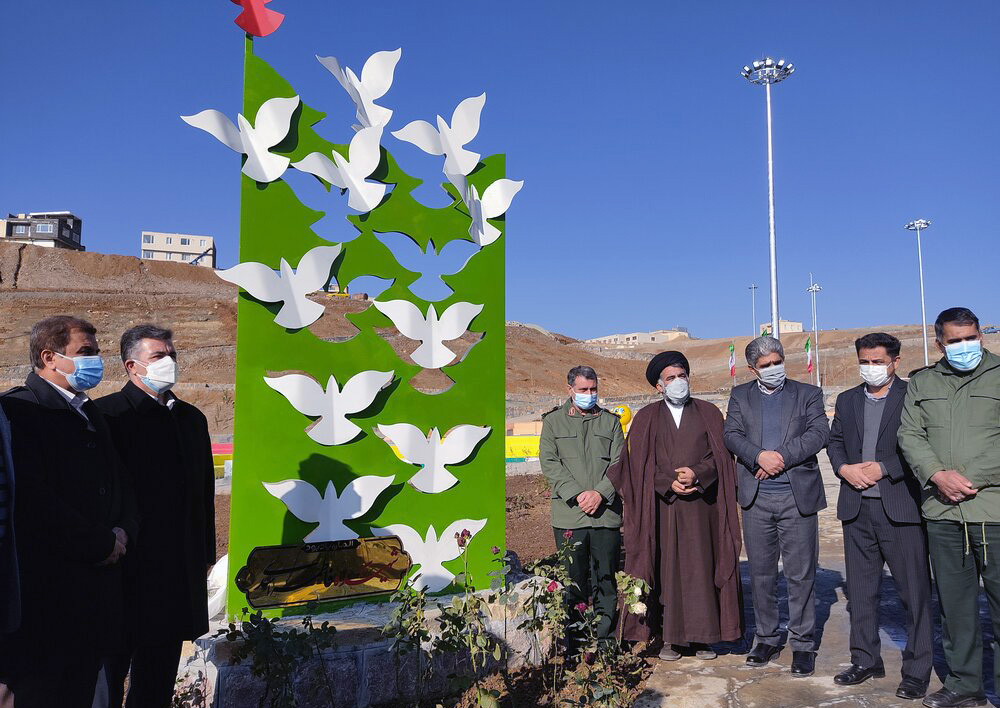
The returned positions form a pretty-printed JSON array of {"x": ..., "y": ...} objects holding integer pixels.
[
  {"x": 181, "y": 248},
  {"x": 634, "y": 339},
  {"x": 50, "y": 229},
  {"x": 784, "y": 327}
]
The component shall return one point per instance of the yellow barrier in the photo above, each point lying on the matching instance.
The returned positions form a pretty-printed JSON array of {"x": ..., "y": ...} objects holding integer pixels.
[{"x": 518, "y": 446}]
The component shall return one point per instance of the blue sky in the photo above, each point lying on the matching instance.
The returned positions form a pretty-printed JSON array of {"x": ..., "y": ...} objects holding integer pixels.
[{"x": 641, "y": 147}]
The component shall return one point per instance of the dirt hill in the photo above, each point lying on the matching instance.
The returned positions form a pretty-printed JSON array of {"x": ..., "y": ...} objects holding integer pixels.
[{"x": 116, "y": 292}]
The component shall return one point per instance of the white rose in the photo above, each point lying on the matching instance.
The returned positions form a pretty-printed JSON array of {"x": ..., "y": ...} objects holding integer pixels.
[
  {"x": 637, "y": 591},
  {"x": 639, "y": 608}
]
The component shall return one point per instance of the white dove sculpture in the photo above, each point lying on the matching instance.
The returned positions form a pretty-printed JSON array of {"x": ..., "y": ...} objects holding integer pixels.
[
  {"x": 376, "y": 78},
  {"x": 288, "y": 286},
  {"x": 449, "y": 140},
  {"x": 270, "y": 127},
  {"x": 432, "y": 551},
  {"x": 333, "y": 405},
  {"x": 430, "y": 331},
  {"x": 330, "y": 510},
  {"x": 433, "y": 452},
  {"x": 495, "y": 202},
  {"x": 363, "y": 159}
]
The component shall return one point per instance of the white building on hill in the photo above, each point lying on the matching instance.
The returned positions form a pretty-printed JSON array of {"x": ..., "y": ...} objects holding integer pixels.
[
  {"x": 182, "y": 248},
  {"x": 634, "y": 339}
]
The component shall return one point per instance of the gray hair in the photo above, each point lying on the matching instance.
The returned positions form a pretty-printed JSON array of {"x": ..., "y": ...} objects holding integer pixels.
[
  {"x": 130, "y": 340},
  {"x": 582, "y": 371},
  {"x": 762, "y": 346}
]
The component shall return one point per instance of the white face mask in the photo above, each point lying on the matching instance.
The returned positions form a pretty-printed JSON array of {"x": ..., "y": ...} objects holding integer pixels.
[
  {"x": 773, "y": 376},
  {"x": 677, "y": 391},
  {"x": 875, "y": 374},
  {"x": 161, "y": 375}
]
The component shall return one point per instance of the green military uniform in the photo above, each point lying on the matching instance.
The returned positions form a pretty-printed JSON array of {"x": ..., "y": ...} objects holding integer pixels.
[
  {"x": 575, "y": 451},
  {"x": 951, "y": 421}
]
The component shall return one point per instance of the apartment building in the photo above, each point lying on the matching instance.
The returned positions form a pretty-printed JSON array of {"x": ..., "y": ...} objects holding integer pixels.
[
  {"x": 182, "y": 248},
  {"x": 634, "y": 339},
  {"x": 49, "y": 229}
]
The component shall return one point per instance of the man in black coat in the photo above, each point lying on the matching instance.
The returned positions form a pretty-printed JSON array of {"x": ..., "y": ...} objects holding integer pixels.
[
  {"x": 10, "y": 577},
  {"x": 880, "y": 509},
  {"x": 166, "y": 447},
  {"x": 75, "y": 520},
  {"x": 776, "y": 426}
]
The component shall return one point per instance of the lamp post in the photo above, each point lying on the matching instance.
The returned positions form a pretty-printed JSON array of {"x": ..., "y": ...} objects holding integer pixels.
[
  {"x": 812, "y": 290},
  {"x": 755, "y": 331},
  {"x": 765, "y": 72},
  {"x": 919, "y": 225}
]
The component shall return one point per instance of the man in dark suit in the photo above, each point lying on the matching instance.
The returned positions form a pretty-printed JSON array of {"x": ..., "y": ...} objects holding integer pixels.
[
  {"x": 775, "y": 426},
  {"x": 10, "y": 581},
  {"x": 879, "y": 506},
  {"x": 166, "y": 447},
  {"x": 75, "y": 520}
]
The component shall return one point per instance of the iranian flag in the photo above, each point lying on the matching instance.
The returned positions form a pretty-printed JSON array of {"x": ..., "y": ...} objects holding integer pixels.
[
  {"x": 809, "y": 355},
  {"x": 732, "y": 360}
]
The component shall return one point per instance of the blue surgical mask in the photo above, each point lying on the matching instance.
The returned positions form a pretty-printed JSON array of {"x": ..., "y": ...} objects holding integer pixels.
[
  {"x": 585, "y": 401},
  {"x": 964, "y": 356},
  {"x": 88, "y": 372}
]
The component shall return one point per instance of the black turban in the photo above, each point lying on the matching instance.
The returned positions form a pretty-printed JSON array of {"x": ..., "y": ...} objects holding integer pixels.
[{"x": 661, "y": 361}]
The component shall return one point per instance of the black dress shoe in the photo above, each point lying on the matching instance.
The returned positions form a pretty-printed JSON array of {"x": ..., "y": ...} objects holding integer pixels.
[
  {"x": 761, "y": 654},
  {"x": 949, "y": 699},
  {"x": 856, "y": 675},
  {"x": 911, "y": 688},
  {"x": 803, "y": 663}
]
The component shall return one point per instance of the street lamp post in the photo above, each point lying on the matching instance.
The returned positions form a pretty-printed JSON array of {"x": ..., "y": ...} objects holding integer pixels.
[
  {"x": 812, "y": 290},
  {"x": 754, "y": 331},
  {"x": 919, "y": 225},
  {"x": 765, "y": 72}
]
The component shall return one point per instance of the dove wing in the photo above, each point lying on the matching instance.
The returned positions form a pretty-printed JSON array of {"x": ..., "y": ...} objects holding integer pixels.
[
  {"x": 412, "y": 443},
  {"x": 274, "y": 120},
  {"x": 364, "y": 154},
  {"x": 460, "y": 442},
  {"x": 333, "y": 66},
  {"x": 361, "y": 389},
  {"x": 359, "y": 496},
  {"x": 455, "y": 320},
  {"x": 498, "y": 196},
  {"x": 258, "y": 280},
  {"x": 412, "y": 542},
  {"x": 376, "y": 75},
  {"x": 305, "y": 394},
  {"x": 422, "y": 134},
  {"x": 465, "y": 119},
  {"x": 448, "y": 545},
  {"x": 406, "y": 317},
  {"x": 218, "y": 125},
  {"x": 314, "y": 268},
  {"x": 319, "y": 165},
  {"x": 301, "y": 498}
]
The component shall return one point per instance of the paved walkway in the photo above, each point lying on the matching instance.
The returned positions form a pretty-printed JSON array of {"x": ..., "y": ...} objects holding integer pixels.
[{"x": 728, "y": 682}]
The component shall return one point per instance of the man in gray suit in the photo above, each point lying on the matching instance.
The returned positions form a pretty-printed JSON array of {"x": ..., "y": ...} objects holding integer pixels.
[
  {"x": 775, "y": 426},
  {"x": 879, "y": 505}
]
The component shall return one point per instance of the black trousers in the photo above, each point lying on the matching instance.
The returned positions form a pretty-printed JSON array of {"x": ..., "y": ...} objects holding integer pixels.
[
  {"x": 872, "y": 541},
  {"x": 62, "y": 680},
  {"x": 593, "y": 565},
  {"x": 152, "y": 672}
]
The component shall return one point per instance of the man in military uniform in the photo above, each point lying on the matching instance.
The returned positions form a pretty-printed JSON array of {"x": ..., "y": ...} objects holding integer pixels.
[{"x": 579, "y": 441}]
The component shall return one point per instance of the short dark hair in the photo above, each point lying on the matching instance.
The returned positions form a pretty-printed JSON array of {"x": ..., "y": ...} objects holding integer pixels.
[
  {"x": 878, "y": 339},
  {"x": 134, "y": 335},
  {"x": 584, "y": 371},
  {"x": 53, "y": 334},
  {"x": 954, "y": 315}
]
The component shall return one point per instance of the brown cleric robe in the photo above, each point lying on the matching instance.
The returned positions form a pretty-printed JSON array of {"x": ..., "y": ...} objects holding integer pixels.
[{"x": 686, "y": 547}]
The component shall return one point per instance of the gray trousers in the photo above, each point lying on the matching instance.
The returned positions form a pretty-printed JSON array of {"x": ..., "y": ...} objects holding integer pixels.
[{"x": 773, "y": 527}]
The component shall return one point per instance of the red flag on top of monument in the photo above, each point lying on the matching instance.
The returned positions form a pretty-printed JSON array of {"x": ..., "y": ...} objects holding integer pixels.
[
  {"x": 809, "y": 355},
  {"x": 732, "y": 360},
  {"x": 257, "y": 19}
]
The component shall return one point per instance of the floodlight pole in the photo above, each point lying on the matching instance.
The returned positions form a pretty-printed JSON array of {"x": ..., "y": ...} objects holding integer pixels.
[
  {"x": 767, "y": 71},
  {"x": 918, "y": 225},
  {"x": 755, "y": 330},
  {"x": 812, "y": 290}
]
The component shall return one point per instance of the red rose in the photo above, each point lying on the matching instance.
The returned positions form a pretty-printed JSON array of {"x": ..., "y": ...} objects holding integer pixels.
[{"x": 553, "y": 586}]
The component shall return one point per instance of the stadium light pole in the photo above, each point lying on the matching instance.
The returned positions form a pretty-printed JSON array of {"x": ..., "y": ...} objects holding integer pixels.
[
  {"x": 765, "y": 72},
  {"x": 919, "y": 225},
  {"x": 812, "y": 290},
  {"x": 754, "y": 331}
]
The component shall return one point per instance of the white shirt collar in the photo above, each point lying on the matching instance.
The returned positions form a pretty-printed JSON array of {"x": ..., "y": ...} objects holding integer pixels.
[
  {"x": 769, "y": 391},
  {"x": 675, "y": 411},
  {"x": 884, "y": 395},
  {"x": 75, "y": 398}
]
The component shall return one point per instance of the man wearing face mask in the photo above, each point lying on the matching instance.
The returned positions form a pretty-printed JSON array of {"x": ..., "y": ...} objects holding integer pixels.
[
  {"x": 678, "y": 483},
  {"x": 879, "y": 506},
  {"x": 950, "y": 435},
  {"x": 75, "y": 522},
  {"x": 579, "y": 441},
  {"x": 776, "y": 426},
  {"x": 165, "y": 443}
]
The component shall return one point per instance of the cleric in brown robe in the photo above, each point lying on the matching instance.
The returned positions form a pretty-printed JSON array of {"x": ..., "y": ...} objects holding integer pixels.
[{"x": 681, "y": 528}]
